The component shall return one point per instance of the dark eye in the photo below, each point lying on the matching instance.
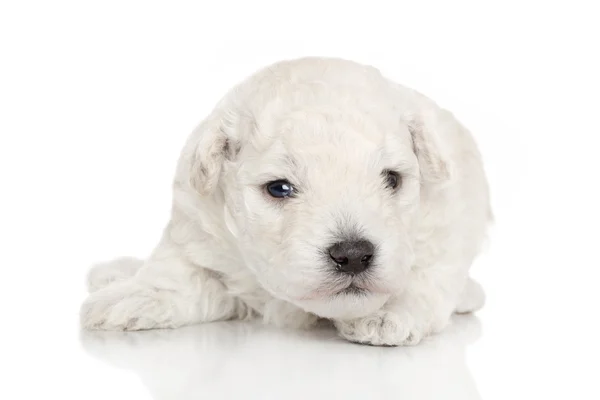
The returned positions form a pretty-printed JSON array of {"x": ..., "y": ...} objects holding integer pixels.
[
  {"x": 392, "y": 179},
  {"x": 280, "y": 189}
]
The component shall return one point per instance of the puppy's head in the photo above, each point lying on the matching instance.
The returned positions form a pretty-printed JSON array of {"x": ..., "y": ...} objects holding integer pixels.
[{"x": 321, "y": 183}]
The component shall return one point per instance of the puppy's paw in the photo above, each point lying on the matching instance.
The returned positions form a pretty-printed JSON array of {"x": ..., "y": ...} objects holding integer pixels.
[
  {"x": 384, "y": 328},
  {"x": 126, "y": 307}
]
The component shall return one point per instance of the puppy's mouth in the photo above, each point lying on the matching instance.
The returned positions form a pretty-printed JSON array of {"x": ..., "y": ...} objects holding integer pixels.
[
  {"x": 353, "y": 290},
  {"x": 346, "y": 287}
]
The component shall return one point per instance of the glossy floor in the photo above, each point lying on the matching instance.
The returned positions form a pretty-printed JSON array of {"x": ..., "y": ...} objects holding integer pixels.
[
  {"x": 471, "y": 360},
  {"x": 239, "y": 360}
]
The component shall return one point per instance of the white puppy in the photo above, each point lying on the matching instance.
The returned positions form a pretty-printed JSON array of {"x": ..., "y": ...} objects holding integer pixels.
[{"x": 316, "y": 189}]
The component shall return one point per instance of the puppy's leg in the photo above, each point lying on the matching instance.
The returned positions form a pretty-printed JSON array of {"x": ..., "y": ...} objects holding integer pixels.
[
  {"x": 102, "y": 275},
  {"x": 471, "y": 299},
  {"x": 284, "y": 314},
  {"x": 167, "y": 292},
  {"x": 423, "y": 308}
]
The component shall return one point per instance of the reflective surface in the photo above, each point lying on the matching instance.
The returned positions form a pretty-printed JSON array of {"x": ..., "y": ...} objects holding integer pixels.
[{"x": 232, "y": 360}]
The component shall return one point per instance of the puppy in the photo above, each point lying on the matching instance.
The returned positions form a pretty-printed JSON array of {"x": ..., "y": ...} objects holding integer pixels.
[{"x": 317, "y": 189}]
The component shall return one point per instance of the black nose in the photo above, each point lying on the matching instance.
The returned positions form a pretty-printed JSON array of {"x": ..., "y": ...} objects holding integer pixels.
[{"x": 352, "y": 257}]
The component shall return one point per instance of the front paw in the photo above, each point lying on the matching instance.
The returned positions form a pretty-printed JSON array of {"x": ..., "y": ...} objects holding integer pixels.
[
  {"x": 125, "y": 307},
  {"x": 384, "y": 328}
]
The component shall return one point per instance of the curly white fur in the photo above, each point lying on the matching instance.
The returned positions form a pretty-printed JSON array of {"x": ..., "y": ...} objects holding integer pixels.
[{"x": 331, "y": 127}]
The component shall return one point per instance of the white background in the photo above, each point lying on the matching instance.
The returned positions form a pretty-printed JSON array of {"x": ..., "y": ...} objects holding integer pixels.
[{"x": 97, "y": 98}]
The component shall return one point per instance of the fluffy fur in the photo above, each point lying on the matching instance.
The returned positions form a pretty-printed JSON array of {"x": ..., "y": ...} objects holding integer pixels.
[{"x": 329, "y": 126}]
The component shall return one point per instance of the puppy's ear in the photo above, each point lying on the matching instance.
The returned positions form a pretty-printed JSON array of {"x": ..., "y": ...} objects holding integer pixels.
[
  {"x": 425, "y": 126},
  {"x": 207, "y": 149}
]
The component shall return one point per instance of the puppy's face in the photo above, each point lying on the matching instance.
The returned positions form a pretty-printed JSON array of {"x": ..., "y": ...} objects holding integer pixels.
[{"x": 321, "y": 207}]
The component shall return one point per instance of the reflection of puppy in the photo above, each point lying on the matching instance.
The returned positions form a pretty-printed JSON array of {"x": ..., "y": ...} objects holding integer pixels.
[
  {"x": 202, "y": 359},
  {"x": 316, "y": 188}
]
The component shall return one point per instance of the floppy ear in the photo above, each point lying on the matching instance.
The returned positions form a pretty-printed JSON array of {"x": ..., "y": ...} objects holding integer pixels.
[
  {"x": 425, "y": 126},
  {"x": 208, "y": 147}
]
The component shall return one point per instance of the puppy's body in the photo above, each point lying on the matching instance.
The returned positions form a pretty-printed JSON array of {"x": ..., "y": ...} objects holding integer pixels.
[{"x": 335, "y": 131}]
